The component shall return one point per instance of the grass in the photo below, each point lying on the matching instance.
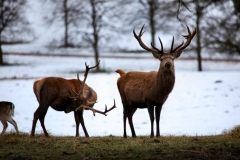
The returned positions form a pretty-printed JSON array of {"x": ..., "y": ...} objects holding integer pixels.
[{"x": 21, "y": 146}]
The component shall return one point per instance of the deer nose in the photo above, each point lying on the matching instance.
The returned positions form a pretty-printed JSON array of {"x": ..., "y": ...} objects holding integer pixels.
[{"x": 168, "y": 65}]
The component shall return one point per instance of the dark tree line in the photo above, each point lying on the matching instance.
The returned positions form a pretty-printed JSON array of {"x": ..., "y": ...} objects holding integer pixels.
[
  {"x": 14, "y": 27},
  {"x": 96, "y": 24}
]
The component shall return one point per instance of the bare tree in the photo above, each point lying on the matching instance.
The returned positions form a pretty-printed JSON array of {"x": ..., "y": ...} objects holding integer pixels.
[
  {"x": 198, "y": 15},
  {"x": 236, "y": 7},
  {"x": 223, "y": 30},
  {"x": 152, "y": 13},
  {"x": 98, "y": 25},
  {"x": 67, "y": 15},
  {"x": 14, "y": 27}
]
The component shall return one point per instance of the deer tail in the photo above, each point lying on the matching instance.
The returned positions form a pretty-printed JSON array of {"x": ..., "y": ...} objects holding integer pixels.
[{"x": 121, "y": 72}]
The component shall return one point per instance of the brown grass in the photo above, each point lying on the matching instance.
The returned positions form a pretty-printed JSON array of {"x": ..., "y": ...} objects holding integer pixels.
[{"x": 224, "y": 146}]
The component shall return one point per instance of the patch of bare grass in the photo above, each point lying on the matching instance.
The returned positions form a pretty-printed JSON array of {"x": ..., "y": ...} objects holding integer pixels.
[{"x": 21, "y": 146}]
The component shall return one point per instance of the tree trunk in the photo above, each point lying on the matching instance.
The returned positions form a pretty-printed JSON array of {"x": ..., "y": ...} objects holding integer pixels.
[
  {"x": 198, "y": 36},
  {"x": 151, "y": 20},
  {"x": 65, "y": 23},
  {"x": 1, "y": 53},
  {"x": 95, "y": 33}
]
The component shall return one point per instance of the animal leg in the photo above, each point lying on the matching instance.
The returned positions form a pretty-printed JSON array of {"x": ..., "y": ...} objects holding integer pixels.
[
  {"x": 41, "y": 118},
  {"x": 125, "y": 113},
  {"x": 5, "y": 125},
  {"x": 13, "y": 122},
  {"x": 36, "y": 116},
  {"x": 157, "y": 114},
  {"x": 130, "y": 114},
  {"x": 151, "y": 115},
  {"x": 79, "y": 119}
]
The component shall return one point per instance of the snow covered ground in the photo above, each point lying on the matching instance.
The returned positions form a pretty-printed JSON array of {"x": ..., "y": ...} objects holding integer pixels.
[{"x": 201, "y": 103}]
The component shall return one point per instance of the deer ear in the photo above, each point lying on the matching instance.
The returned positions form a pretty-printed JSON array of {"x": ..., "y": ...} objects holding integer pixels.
[
  {"x": 177, "y": 54},
  {"x": 156, "y": 55}
]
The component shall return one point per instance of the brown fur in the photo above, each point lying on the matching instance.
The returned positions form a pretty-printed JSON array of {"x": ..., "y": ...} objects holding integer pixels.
[
  {"x": 6, "y": 114},
  {"x": 145, "y": 90},
  {"x": 56, "y": 92},
  {"x": 149, "y": 89},
  {"x": 121, "y": 72}
]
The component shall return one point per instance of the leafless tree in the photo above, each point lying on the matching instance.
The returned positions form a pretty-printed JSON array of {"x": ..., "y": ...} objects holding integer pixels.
[
  {"x": 98, "y": 25},
  {"x": 148, "y": 12},
  {"x": 223, "y": 30},
  {"x": 66, "y": 14},
  {"x": 236, "y": 7},
  {"x": 14, "y": 26},
  {"x": 217, "y": 26}
]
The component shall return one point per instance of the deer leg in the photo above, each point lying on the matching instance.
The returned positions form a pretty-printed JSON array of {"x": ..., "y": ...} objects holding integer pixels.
[
  {"x": 11, "y": 120},
  {"x": 36, "y": 116},
  {"x": 157, "y": 114},
  {"x": 125, "y": 113},
  {"x": 41, "y": 118},
  {"x": 151, "y": 115},
  {"x": 130, "y": 114},
  {"x": 77, "y": 121},
  {"x": 79, "y": 118},
  {"x": 5, "y": 125}
]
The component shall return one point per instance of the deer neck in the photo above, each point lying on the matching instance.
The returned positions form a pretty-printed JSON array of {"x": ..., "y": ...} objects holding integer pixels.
[{"x": 165, "y": 81}]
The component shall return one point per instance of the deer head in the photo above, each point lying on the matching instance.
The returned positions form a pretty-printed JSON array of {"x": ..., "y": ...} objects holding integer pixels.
[
  {"x": 79, "y": 99},
  {"x": 80, "y": 102},
  {"x": 166, "y": 58}
]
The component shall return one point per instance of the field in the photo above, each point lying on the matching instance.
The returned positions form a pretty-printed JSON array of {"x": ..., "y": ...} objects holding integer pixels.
[
  {"x": 201, "y": 103},
  {"x": 194, "y": 122},
  {"x": 22, "y": 147}
]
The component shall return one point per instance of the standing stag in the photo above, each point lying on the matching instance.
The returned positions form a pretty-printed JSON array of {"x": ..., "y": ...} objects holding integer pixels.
[
  {"x": 6, "y": 114},
  {"x": 149, "y": 89},
  {"x": 58, "y": 93}
]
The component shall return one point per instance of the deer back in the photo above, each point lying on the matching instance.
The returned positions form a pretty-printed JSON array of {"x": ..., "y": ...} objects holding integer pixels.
[
  {"x": 56, "y": 92},
  {"x": 136, "y": 87},
  {"x": 6, "y": 109}
]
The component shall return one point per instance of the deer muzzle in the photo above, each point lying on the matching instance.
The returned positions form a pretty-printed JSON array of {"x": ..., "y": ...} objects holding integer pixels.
[{"x": 168, "y": 65}]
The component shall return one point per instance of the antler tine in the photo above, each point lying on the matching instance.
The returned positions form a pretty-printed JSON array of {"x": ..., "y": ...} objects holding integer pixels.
[
  {"x": 172, "y": 44},
  {"x": 85, "y": 77},
  {"x": 82, "y": 107},
  {"x": 178, "y": 47},
  {"x": 155, "y": 48},
  {"x": 138, "y": 37},
  {"x": 188, "y": 37},
  {"x": 75, "y": 93},
  {"x": 141, "y": 31},
  {"x": 114, "y": 106},
  {"x": 161, "y": 44}
]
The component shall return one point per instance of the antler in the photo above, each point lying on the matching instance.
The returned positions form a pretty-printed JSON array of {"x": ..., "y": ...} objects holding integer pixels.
[
  {"x": 85, "y": 77},
  {"x": 82, "y": 107},
  {"x": 83, "y": 82},
  {"x": 154, "y": 50},
  {"x": 178, "y": 50}
]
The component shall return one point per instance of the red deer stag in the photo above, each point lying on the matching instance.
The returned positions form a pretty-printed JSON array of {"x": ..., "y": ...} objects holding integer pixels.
[
  {"x": 6, "y": 113},
  {"x": 57, "y": 92},
  {"x": 149, "y": 89}
]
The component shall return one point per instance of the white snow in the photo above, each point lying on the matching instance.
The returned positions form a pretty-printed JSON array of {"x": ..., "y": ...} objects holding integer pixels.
[{"x": 201, "y": 103}]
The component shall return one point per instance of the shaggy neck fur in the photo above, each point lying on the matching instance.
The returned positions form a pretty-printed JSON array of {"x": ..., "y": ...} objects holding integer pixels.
[{"x": 165, "y": 81}]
